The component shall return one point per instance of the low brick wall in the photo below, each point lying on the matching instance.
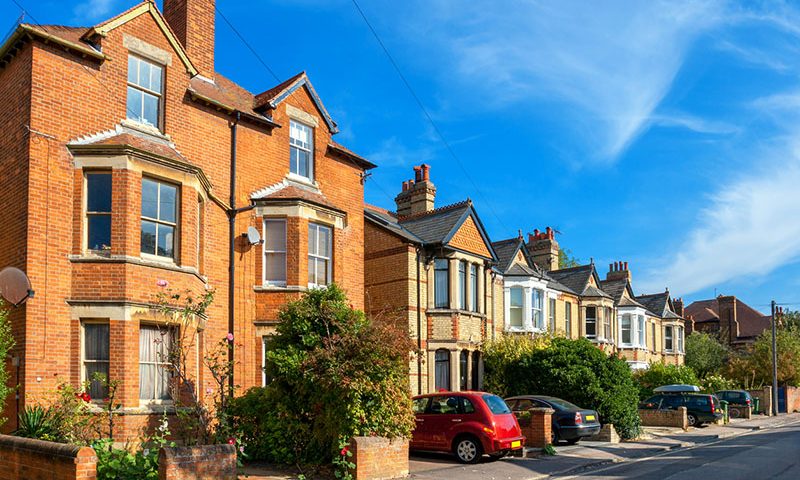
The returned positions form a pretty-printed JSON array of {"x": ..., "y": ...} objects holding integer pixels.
[
  {"x": 739, "y": 412},
  {"x": 607, "y": 434},
  {"x": 29, "y": 459},
  {"x": 665, "y": 418},
  {"x": 792, "y": 399},
  {"x": 764, "y": 397},
  {"x": 536, "y": 425},
  {"x": 204, "y": 462},
  {"x": 379, "y": 458}
]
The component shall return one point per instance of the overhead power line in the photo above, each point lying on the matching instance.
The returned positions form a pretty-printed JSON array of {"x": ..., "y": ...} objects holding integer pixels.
[
  {"x": 425, "y": 112},
  {"x": 246, "y": 43}
]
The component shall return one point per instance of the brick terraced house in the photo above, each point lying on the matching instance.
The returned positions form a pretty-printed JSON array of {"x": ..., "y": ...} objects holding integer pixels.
[
  {"x": 431, "y": 270},
  {"x": 668, "y": 327},
  {"x": 125, "y": 156}
]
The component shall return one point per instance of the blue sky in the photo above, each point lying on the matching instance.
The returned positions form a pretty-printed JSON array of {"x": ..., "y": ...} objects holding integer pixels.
[{"x": 664, "y": 134}]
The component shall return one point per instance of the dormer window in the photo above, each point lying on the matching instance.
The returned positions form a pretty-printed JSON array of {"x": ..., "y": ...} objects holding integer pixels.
[
  {"x": 145, "y": 91},
  {"x": 301, "y": 141}
]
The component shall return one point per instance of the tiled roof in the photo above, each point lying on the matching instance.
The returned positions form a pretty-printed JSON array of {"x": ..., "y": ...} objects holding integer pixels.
[
  {"x": 615, "y": 288},
  {"x": 506, "y": 250},
  {"x": 351, "y": 155},
  {"x": 70, "y": 34},
  {"x": 224, "y": 92},
  {"x": 264, "y": 98},
  {"x": 592, "y": 291},
  {"x": 287, "y": 190},
  {"x": 751, "y": 321},
  {"x": 520, "y": 270},
  {"x": 576, "y": 279},
  {"x": 658, "y": 304},
  {"x": 388, "y": 220},
  {"x": 436, "y": 225},
  {"x": 122, "y": 135}
]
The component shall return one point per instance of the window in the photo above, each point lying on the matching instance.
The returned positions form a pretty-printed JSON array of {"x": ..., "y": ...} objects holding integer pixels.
[
  {"x": 537, "y": 307},
  {"x": 568, "y": 318},
  {"x": 266, "y": 344},
  {"x": 654, "y": 337},
  {"x": 441, "y": 280},
  {"x": 462, "y": 285},
  {"x": 626, "y": 329},
  {"x": 679, "y": 334},
  {"x": 607, "y": 323},
  {"x": 154, "y": 362},
  {"x": 473, "y": 285},
  {"x": 275, "y": 252},
  {"x": 301, "y": 141},
  {"x": 420, "y": 405},
  {"x": 200, "y": 239},
  {"x": 442, "y": 372},
  {"x": 446, "y": 405},
  {"x": 552, "y": 314},
  {"x": 159, "y": 218},
  {"x": 668, "y": 332},
  {"x": 641, "y": 332},
  {"x": 496, "y": 404},
  {"x": 98, "y": 211},
  {"x": 591, "y": 322},
  {"x": 95, "y": 356},
  {"x": 145, "y": 91},
  {"x": 463, "y": 366},
  {"x": 319, "y": 254},
  {"x": 476, "y": 365},
  {"x": 515, "y": 307}
]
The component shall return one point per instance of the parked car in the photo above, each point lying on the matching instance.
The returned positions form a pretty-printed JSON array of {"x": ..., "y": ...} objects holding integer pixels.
[
  {"x": 700, "y": 407},
  {"x": 737, "y": 400},
  {"x": 468, "y": 424},
  {"x": 570, "y": 422}
]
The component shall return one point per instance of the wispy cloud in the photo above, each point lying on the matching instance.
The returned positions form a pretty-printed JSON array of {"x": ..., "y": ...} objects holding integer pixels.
[
  {"x": 93, "y": 9},
  {"x": 695, "y": 124},
  {"x": 613, "y": 64}
]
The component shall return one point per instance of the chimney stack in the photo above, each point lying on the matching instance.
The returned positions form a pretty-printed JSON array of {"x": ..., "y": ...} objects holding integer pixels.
[
  {"x": 544, "y": 248},
  {"x": 618, "y": 270},
  {"x": 677, "y": 304},
  {"x": 193, "y": 24},
  {"x": 417, "y": 195},
  {"x": 728, "y": 321}
]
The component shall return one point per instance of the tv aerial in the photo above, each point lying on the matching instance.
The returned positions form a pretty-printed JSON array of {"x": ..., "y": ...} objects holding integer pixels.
[{"x": 15, "y": 287}]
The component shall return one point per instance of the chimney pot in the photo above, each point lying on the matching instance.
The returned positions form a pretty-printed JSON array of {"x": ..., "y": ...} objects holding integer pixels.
[
  {"x": 426, "y": 172},
  {"x": 531, "y": 237},
  {"x": 418, "y": 173},
  {"x": 626, "y": 266},
  {"x": 535, "y": 232},
  {"x": 611, "y": 267}
]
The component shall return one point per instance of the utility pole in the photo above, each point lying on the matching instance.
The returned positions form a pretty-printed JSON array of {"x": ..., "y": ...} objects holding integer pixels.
[{"x": 774, "y": 363}]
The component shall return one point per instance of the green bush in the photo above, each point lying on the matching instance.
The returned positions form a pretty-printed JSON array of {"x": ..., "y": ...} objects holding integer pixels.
[
  {"x": 499, "y": 355},
  {"x": 661, "y": 374},
  {"x": 715, "y": 383},
  {"x": 38, "y": 422},
  {"x": 705, "y": 354},
  {"x": 579, "y": 372},
  {"x": 6, "y": 344},
  {"x": 334, "y": 375}
]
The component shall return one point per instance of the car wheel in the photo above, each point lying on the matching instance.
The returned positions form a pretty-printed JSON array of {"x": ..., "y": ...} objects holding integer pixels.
[
  {"x": 468, "y": 449},
  {"x": 573, "y": 441},
  {"x": 692, "y": 420},
  {"x": 554, "y": 438},
  {"x": 734, "y": 413}
]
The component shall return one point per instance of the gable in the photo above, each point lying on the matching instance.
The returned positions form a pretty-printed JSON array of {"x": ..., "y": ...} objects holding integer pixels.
[
  {"x": 520, "y": 257},
  {"x": 469, "y": 239},
  {"x": 300, "y": 82}
]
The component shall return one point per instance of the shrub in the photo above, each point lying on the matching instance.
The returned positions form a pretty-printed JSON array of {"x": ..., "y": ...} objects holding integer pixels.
[
  {"x": 499, "y": 355},
  {"x": 39, "y": 422},
  {"x": 715, "y": 383},
  {"x": 659, "y": 374},
  {"x": 6, "y": 344},
  {"x": 705, "y": 354},
  {"x": 333, "y": 375},
  {"x": 577, "y": 371}
]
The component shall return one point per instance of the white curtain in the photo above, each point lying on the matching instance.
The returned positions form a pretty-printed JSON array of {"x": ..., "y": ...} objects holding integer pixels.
[{"x": 154, "y": 372}]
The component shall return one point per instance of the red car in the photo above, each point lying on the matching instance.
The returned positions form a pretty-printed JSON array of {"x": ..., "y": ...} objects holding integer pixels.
[{"x": 468, "y": 424}]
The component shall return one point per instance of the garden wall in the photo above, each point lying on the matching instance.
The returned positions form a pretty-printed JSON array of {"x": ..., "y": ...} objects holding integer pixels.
[
  {"x": 764, "y": 397},
  {"x": 792, "y": 399},
  {"x": 536, "y": 425},
  {"x": 207, "y": 462},
  {"x": 379, "y": 458},
  {"x": 29, "y": 459},
  {"x": 665, "y": 418}
]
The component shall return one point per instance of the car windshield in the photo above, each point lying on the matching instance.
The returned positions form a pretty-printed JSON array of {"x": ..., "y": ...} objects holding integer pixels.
[
  {"x": 562, "y": 404},
  {"x": 496, "y": 404}
]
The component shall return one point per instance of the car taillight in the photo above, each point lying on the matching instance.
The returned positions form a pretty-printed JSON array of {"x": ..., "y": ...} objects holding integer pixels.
[
  {"x": 488, "y": 430},
  {"x": 747, "y": 402},
  {"x": 712, "y": 404},
  {"x": 578, "y": 418}
]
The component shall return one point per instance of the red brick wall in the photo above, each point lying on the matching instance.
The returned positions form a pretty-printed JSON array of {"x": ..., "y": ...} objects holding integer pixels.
[
  {"x": 665, "y": 418},
  {"x": 536, "y": 426},
  {"x": 792, "y": 399},
  {"x": 379, "y": 458},
  {"x": 29, "y": 459},
  {"x": 208, "y": 462},
  {"x": 70, "y": 97}
]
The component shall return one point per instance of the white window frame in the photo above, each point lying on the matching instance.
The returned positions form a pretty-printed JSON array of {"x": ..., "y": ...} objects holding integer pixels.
[
  {"x": 538, "y": 322},
  {"x": 642, "y": 331},
  {"x": 671, "y": 329},
  {"x": 586, "y": 321},
  {"x": 295, "y": 143},
  {"x": 158, "y": 94},
  {"x": 266, "y": 250},
  {"x": 84, "y": 360},
  {"x": 679, "y": 335},
  {"x": 175, "y": 225},
  {"x": 521, "y": 308},
  {"x": 631, "y": 330},
  {"x": 326, "y": 256},
  {"x": 171, "y": 331}
]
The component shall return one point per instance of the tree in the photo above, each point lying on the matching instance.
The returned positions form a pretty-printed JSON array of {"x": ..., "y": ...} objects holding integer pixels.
[
  {"x": 659, "y": 374},
  {"x": 6, "y": 344},
  {"x": 566, "y": 259},
  {"x": 788, "y": 341},
  {"x": 501, "y": 354},
  {"x": 705, "y": 354}
]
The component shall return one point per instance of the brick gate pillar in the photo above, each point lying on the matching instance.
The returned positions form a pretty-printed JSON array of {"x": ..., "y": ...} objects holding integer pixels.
[{"x": 538, "y": 431}]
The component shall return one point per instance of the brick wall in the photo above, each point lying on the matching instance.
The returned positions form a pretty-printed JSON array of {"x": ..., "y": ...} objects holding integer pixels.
[
  {"x": 378, "y": 458},
  {"x": 665, "y": 418},
  {"x": 792, "y": 399},
  {"x": 764, "y": 397},
  {"x": 536, "y": 425},
  {"x": 29, "y": 459},
  {"x": 607, "y": 433},
  {"x": 207, "y": 462}
]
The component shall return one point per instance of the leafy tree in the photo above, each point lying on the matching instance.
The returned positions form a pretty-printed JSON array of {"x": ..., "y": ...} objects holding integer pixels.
[
  {"x": 705, "y": 354},
  {"x": 577, "y": 371},
  {"x": 788, "y": 342},
  {"x": 566, "y": 259},
  {"x": 6, "y": 344},
  {"x": 661, "y": 374},
  {"x": 790, "y": 320},
  {"x": 334, "y": 374}
]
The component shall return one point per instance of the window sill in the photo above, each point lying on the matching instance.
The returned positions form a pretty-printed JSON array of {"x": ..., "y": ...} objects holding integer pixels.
[
  {"x": 143, "y": 261},
  {"x": 293, "y": 177},
  {"x": 145, "y": 128},
  {"x": 279, "y": 288},
  {"x": 440, "y": 310}
]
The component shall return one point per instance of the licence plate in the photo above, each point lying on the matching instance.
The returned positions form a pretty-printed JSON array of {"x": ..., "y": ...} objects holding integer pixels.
[
  {"x": 516, "y": 443},
  {"x": 589, "y": 418}
]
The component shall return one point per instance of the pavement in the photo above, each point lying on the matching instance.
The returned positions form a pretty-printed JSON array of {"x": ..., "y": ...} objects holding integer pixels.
[{"x": 582, "y": 459}]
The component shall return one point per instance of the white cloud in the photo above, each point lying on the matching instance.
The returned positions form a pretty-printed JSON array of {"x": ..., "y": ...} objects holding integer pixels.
[
  {"x": 93, "y": 9},
  {"x": 695, "y": 124},
  {"x": 614, "y": 63}
]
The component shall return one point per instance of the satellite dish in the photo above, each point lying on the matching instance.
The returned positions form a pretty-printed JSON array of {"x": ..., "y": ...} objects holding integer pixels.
[
  {"x": 252, "y": 235},
  {"x": 15, "y": 287}
]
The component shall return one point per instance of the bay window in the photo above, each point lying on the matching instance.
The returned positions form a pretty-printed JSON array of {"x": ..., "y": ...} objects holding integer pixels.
[
  {"x": 537, "y": 308},
  {"x": 626, "y": 329},
  {"x": 515, "y": 308},
  {"x": 668, "y": 338},
  {"x": 607, "y": 323},
  {"x": 441, "y": 281},
  {"x": 319, "y": 254},
  {"x": 442, "y": 369},
  {"x": 155, "y": 368},
  {"x": 591, "y": 322},
  {"x": 95, "y": 357},
  {"x": 159, "y": 218},
  {"x": 462, "y": 285},
  {"x": 473, "y": 285},
  {"x": 275, "y": 252},
  {"x": 641, "y": 331},
  {"x": 98, "y": 211},
  {"x": 463, "y": 366}
]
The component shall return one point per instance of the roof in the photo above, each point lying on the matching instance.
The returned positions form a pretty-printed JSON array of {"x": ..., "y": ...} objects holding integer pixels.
[
  {"x": 270, "y": 99},
  {"x": 751, "y": 321},
  {"x": 389, "y": 221},
  {"x": 577, "y": 280},
  {"x": 616, "y": 289},
  {"x": 350, "y": 155},
  {"x": 506, "y": 251},
  {"x": 226, "y": 94},
  {"x": 122, "y": 135},
  {"x": 288, "y": 190},
  {"x": 658, "y": 304}
]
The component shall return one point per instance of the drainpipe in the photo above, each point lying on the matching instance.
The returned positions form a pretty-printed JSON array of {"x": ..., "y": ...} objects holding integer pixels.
[
  {"x": 231, "y": 252},
  {"x": 419, "y": 326}
]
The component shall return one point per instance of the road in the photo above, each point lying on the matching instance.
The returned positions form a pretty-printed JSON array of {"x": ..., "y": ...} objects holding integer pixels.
[{"x": 771, "y": 454}]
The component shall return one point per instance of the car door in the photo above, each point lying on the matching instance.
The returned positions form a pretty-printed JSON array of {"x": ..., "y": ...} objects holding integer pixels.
[
  {"x": 672, "y": 402},
  {"x": 443, "y": 418},
  {"x": 420, "y": 437}
]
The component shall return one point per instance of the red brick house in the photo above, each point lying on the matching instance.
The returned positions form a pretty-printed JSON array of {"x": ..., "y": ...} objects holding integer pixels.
[
  {"x": 125, "y": 156},
  {"x": 735, "y": 323}
]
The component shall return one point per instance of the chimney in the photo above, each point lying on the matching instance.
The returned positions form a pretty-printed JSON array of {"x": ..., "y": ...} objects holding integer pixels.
[
  {"x": 417, "y": 195},
  {"x": 544, "y": 248},
  {"x": 677, "y": 304},
  {"x": 618, "y": 270},
  {"x": 728, "y": 323},
  {"x": 193, "y": 24}
]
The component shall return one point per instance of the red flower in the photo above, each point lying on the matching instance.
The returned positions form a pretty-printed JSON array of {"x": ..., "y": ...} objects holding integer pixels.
[
  {"x": 231, "y": 441},
  {"x": 344, "y": 451},
  {"x": 84, "y": 396}
]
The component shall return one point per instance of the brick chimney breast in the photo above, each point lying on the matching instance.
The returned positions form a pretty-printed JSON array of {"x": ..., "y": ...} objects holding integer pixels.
[
  {"x": 193, "y": 24},
  {"x": 618, "y": 270},
  {"x": 544, "y": 248},
  {"x": 417, "y": 195}
]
